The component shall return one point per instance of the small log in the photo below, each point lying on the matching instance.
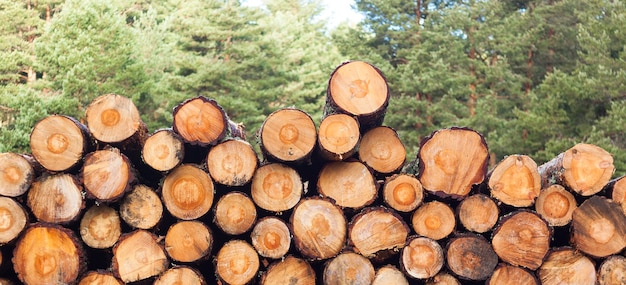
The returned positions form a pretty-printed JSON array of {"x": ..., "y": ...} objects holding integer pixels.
[
  {"x": 180, "y": 275},
  {"x": 99, "y": 278},
  {"x": 276, "y": 187},
  {"x": 478, "y": 213},
  {"x": 389, "y": 275},
  {"x": 421, "y": 258},
  {"x": 16, "y": 174},
  {"x": 288, "y": 136},
  {"x": 349, "y": 183},
  {"x": 584, "y": 168},
  {"x": 434, "y": 220},
  {"x": 612, "y": 271},
  {"x": 114, "y": 119},
  {"x": 556, "y": 205},
  {"x": 515, "y": 181},
  {"x": 509, "y": 274},
  {"x": 100, "y": 227},
  {"x": 107, "y": 174},
  {"x": 443, "y": 278},
  {"x": 271, "y": 237},
  {"x": 567, "y": 266},
  {"x": 48, "y": 254},
  {"x": 141, "y": 208},
  {"x": 138, "y": 256},
  {"x": 56, "y": 198},
  {"x": 403, "y": 192},
  {"x": 616, "y": 189},
  {"x": 319, "y": 228},
  {"x": 377, "y": 233},
  {"x": 359, "y": 89},
  {"x": 232, "y": 162},
  {"x": 471, "y": 257},
  {"x": 382, "y": 150},
  {"x": 163, "y": 150},
  {"x": 188, "y": 241},
  {"x": 235, "y": 213},
  {"x": 522, "y": 238},
  {"x": 338, "y": 137},
  {"x": 200, "y": 121},
  {"x": 13, "y": 220},
  {"x": 289, "y": 270},
  {"x": 451, "y": 161},
  {"x": 187, "y": 192},
  {"x": 598, "y": 227},
  {"x": 59, "y": 142},
  {"x": 237, "y": 263},
  {"x": 348, "y": 268}
]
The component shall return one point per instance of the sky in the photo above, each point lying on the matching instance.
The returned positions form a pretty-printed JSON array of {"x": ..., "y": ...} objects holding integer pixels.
[{"x": 336, "y": 11}]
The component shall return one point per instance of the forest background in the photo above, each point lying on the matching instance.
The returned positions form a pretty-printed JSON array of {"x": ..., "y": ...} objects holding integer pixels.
[{"x": 534, "y": 77}]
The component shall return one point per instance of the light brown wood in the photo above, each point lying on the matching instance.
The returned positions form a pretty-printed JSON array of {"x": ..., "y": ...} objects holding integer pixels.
[
  {"x": 237, "y": 262},
  {"x": 358, "y": 88},
  {"x": 235, "y": 213},
  {"x": 338, "y": 137},
  {"x": 382, "y": 150},
  {"x": 200, "y": 121},
  {"x": 100, "y": 227},
  {"x": 522, "y": 238},
  {"x": 107, "y": 174},
  {"x": 583, "y": 168},
  {"x": 271, "y": 237},
  {"x": 434, "y": 220},
  {"x": 567, "y": 266},
  {"x": 163, "y": 150},
  {"x": 56, "y": 198},
  {"x": 598, "y": 227},
  {"x": 509, "y": 274},
  {"x": 349, "y": 268},
  {"x": 138, "y": 256},
  {"x": 612, "y": 271},
  {"x": 389, "y": 275},
  {"x": 188, "y": 241},
  {"x": 232, "y": 162},
  {"x": 556, "y": 205},
  {"x": 515, "y": 181},
  {"x": 403, "y": 192},
  {"x": 377, "y": 233},
  {"x": 319, "y": 228},
  {"x": 288, "y": 135},
  {"x": 99, "y": 278},
  {"x": 478, "y": 213},
  {"x": 180, "y": 275},
  {"x": 187, "y": 192},
  {"x": 451, "y": 161},
  {"x": 276, "y": 187},
  {"x": 421, "y": 258},
  {"x": 16, "y": 174},
  {"x": 443, "y": 278},
  {"x": 13, "y": 220},
  {"x": 289, "y": 270},
  {"x": 141, "y": 208},
  {"x": 48, "y": 254},
  {"x": 59, "y": 142},
  {"x": 349, "y": 183},
  {"x": 471, "y": 257},
  {"x": 112, "y": 118}
]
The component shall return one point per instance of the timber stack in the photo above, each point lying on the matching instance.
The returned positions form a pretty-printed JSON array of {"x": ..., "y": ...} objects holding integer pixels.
[{"x": 108, "y": 202}]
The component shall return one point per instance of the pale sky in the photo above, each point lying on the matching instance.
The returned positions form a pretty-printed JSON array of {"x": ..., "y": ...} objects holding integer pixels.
[{"x": 336, "y": 11}]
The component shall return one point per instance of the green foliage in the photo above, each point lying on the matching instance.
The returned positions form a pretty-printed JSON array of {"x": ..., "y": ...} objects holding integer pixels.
[{"x": 16, "y": 35}]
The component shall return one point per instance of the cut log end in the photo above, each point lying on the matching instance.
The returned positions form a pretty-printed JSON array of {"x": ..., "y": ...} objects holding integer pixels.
[
  {"x": 422, "y": 258},
  {"x": 349, "y": 268},
  {"x": 106, "y": 174},
  {"x": 567, "y": 266},
  {"x": 141, "y": 208},
  {"x": 382, "y": 150},
  {"x": 288, "y": 135},
  {"x": 138, "y": 256},
  {"x": 338, "y": 137},
  {"x": 180, "y": 275},
  {"x": 163, "y": 150},
  {"x": 598, "y": 227},
  {"x": 271, "y": 237},
  {"x": 523, "y": 239},
  {"x": 290, "y": 270},
  {"x": 349, "y": 183},
  {"x": 112, "y": 118},
  {"x": 232, "y": 162},
  {"x": 100, "y": 227},
  {"x": 100, "y": 278},
  {"x": 200, "y": 121},
  {"x": 16, "y": 174},
  {"x": 515, "y": 181},
  {"x": 434, "y": 220},
  {"x": 588, "y": 168},
  {"x": 403, "y": 192},
  {"x": 508, "y": 274},
  {"x": 612, "y": 270},
  {"x": 235, "y": 213},
  {"x": 276, "y": 187},
  {"x": 56, "y": 198},
  {"x": 377, "y": 233},
  {"x": 188, "y": 241},
  {"x": 187, "y": 192},
  {"x": 556, "y": 205},
  {"x": 471, "y": 257},
  {"x": 319, "y": 228},
  {"x": 478, "y": 213},
  {"x": 13, "y": 220},
  {"x": 237, "y": 262}
]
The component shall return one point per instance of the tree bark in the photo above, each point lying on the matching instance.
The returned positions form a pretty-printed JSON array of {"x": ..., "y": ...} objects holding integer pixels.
[
  {"x": 471, "y": 257},
  {"x": 114, "y": 119},
  {"x": 434, "y": 220},
  {"x": 13, "y": 220},
  {"x": 556, "y": 205},
  {"x": 522, "y": 238},
  {"x": 515, "y": 181},
  {"x": 232, "y": 162},
  {"x": 421, "y": 258},
  {"x": 100, "y": 227},
  {"x": 16, "y": 174},
  {"x": 138, "y": 256},
  {"x": 598, "y": 227},
  {"x": 107, "y": 174},
  {"x": 389, "y": 275},
  {"x": 567, "y": 266},
  {"x": 509, "y": 274},
  {"x": 237, "y": 263},
  {"x": 377, "y": 233},
  {"x": 319, "y": 228},
  {"x": 338, "y": 137},
  {"x": 349, "y": 183},
  {"x": 478, "y": 213},
  {"x": 276, "y": 187},
  {"x": 290, "y": 270},
  {"x": 163, "y": 150},
  {"x": 200, "y": 121},
  {"x": 187, "y": 192},
  {"x": 349, "y": 268},
  {"x": 403, "y": 192},
  {"x": 180, "y": 275},
  {"x": 382, "y": 150},
  {"x": 235, "y": 213},
  {"x": 56, "y": 198},
  {"x": 288, "y": 136},
  {"x": 612, "y": 270},
  {"x": 188, "y": 241},
  {"x": 271, "y": 237},
  {"x": 141, "y": 208}
]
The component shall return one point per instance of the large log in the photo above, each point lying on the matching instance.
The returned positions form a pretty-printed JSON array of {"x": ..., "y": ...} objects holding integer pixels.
[
  {"x": 188, "y": 241},
  {"x": 288, "y": 136},
  {"x": 138, "y": 256},
  {"x": 349, "y": 183},
  {"x": 107, "y": 174},
  {"x": 522, "y": 238},
  {"x": 377, "y": 233},
  {"x": 598, "y": 227},
  {"x": 200, "y": 121},
  {"x": 567, "y": 266},
  {"x": 509, "y": 274},
  {"x": 319, "y": 228},
  {"x": 56, "y": 198},
  {"x": 276, "y": 187},
  {"x": 382, "y": 150},
  {"x": 114, "y": 119},
  {"x": 232, "y": 162}
]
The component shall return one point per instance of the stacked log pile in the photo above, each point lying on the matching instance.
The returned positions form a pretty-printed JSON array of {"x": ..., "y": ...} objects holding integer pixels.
[{"x": 108, "y": 202}]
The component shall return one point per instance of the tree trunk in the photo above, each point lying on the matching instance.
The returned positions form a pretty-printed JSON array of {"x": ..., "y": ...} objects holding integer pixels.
[
  {"x": 235, "y": 213},
  {"x": 188, "y": 241},
  {"x": 107, "y": 174},
  {"x": 515, "y": 181},
  {"x": 289, "y": 270},
  {"x": 180, "y": 275},
  {"x": 56, "y": 198},
  {"x": 556, "y": 205},
  {"x": 451, "y": 161},
  {"x": 478, "y": 213},
  {"x": 522, "y": 238},
  {"x": 421, "y": 258},
  {"x": 377, "y": 233},
  {"x": 567, "y": 266},
  {"x": 271, "y": 237},
  {"x": 471, "y": 257},
  {"x": 382, "y": 150},
  {"x": 237, "y": 263},
  {"x": 163, "y": 150},
  {"x": 48, "y": 254},
  {"x": 359, "y": 89},
  {"x": 349, "y": 183},
  {"x": 598, "y": 227},
  {"x": 13, "y": 220},
  {"x": 114, "y": 119},
  {"x": 232, "y": 162},
  {"x": 288, "y": 136},
  {"x": 403, "y": 192},
  {"x": 276, "y": 187},
  {"x": 59, "y": 142},
  {"x": 584, "y": 168},
  {"x": 200, "y": 121},
  {"x": 434, "y": 220},
  {"x": 319, "y": 228},
  {"x": 349, "y": 268},
  {"x": 138, "y": 256},
  {"x": 100, "y": 227},
  {"x": 389, "y": 275},
  {"x": 16, "y": 174},
  {"x": 612, "y": 271},
  {"x": 508, "y": 274},
  {"x": 187, "y": 192},
  {"x": 338, "y": 137},
  {"x": 100, "y": 278},
  {"x": 141, "y": 208}
]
